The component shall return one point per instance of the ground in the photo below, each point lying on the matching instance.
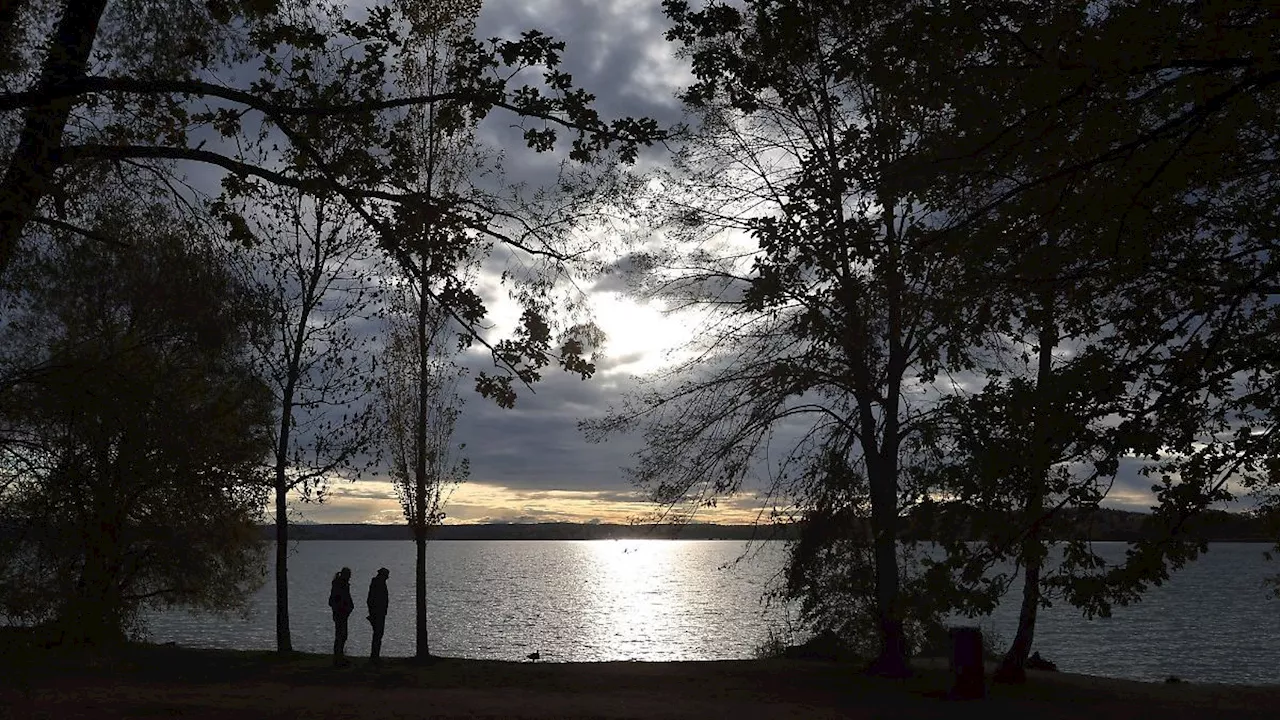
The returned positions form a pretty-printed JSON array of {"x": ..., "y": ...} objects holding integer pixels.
[{"x": 160, "y": 682}]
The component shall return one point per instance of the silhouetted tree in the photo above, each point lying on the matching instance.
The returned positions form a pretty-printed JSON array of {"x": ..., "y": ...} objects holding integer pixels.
[
  {"x": 1106, "y": 170},
  {"x": 135, "y": 425},
  {"x": 828, "y": 326},
  {"x": 316, "y": 264},
  {"x": 422, "y": 408},
  {"x": 421, "y": 398}
]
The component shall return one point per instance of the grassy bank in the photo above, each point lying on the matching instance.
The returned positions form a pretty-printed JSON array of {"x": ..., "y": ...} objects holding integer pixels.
[{"x": 157, "y": 681}]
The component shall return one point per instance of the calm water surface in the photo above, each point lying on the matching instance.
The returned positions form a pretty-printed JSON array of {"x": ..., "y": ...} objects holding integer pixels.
[
  {"x": 689, "y": 600},
  {"x": 568, "y": 600}
]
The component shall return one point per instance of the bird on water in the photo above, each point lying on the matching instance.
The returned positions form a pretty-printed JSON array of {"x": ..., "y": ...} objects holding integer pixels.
[{"x": 533, "y": 656}]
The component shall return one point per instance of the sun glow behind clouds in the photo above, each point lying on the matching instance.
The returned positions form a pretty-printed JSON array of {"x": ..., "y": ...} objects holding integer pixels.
[
  {"x": 373, "y": 501},
  {"x": 640, "y": 338}
]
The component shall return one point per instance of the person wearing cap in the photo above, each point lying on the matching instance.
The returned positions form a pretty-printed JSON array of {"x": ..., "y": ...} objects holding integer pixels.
[
  {"x": 377, "y": 603},
  {"x": 341, "y": 604}
]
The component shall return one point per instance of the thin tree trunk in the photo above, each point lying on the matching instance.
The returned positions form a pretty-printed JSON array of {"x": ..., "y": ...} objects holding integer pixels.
[
  {"x": 420, "y": 471},
  {"x": 1013, "y": 667},
  {"x": 26, "y": 181},
  {"x": 284, "y": 639},
  {"x": 882, "y": 469},
  {"x": 420, "y": 590},
  {"x": 284, "y": 643}
]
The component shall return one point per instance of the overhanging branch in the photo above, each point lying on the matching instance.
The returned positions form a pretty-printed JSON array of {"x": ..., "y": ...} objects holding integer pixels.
[{"x": 99, "y": 84}]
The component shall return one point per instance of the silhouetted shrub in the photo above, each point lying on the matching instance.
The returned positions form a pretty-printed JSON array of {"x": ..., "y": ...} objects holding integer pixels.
[{"x": 772, "y": 647}]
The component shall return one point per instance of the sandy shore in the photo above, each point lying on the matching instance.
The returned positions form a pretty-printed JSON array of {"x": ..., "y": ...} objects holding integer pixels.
[{"x": 161, "y": 682}]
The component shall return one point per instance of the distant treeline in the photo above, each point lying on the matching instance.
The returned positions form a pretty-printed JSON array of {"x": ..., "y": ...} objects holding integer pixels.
[{"x": 1101, "y": 525}]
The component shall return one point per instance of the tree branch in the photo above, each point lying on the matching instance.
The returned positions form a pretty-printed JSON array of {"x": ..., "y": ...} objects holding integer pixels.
[
  {"x": 100, "y": 84},
  {"x": 68, "y": 227}
]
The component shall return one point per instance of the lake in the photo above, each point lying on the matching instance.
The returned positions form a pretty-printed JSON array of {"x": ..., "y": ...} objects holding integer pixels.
[{"x": 701, "y": 600}]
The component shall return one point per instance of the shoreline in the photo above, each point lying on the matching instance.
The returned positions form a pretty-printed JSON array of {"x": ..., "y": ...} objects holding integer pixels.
[
  {"x": 1128, "y": 531},
  {"x": 16, "y": 636},
  {"x": 162, "y": 681}
]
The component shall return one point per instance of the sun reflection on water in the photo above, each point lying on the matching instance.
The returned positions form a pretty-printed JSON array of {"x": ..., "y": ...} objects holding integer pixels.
[
  {"x": 571, "y": 600},
  {"x": 633, "y": 581}
]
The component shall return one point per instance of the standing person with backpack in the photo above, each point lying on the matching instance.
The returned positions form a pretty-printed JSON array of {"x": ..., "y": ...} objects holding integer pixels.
[
  {"x": 341, "y": 604},
  {"x": 377, "y": 603}
]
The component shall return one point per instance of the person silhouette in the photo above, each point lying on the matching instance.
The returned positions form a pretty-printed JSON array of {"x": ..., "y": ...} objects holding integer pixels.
[
  {"x": 377, "y": 604},
  {"x": 341, "y": 604}
]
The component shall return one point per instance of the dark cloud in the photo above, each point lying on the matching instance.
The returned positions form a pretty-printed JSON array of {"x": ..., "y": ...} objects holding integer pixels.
[
  {"x": 362, "y": 490},
  {"x": 621, "y": 274},
  {"x": 609, "y": 362},
  {"x": 614, "y": 50},
  {"x": 537, "y": 444}
]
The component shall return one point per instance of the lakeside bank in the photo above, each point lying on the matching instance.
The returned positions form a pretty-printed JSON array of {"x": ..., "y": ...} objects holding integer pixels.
[{"x": 164, "y": 681}]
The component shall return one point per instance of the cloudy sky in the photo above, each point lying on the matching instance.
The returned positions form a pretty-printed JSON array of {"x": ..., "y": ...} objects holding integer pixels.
[{"x": 531, "y": 463}]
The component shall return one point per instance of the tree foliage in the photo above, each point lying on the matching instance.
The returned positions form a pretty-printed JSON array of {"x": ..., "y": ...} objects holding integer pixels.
[
  {"x": 144, "y": 84},
  {"x": 1004, "y": 251},
  {"x": 430, "y": 376},
  {"x": 134, "y": 426},
  {"x": 1108, "y": 173}
]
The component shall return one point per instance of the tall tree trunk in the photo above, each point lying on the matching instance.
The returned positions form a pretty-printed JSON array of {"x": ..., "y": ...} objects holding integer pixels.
[
  {"x": 284, "y": 643},
  {"x": 882, "y": 476},
  {"x": 882, "y": 465},
  {"x": 423, "y": 645},
  {"x": 892, "y": 661},
  {"x": 423, "y": 650},
  {"x": 26, "y": 181},
  {"x": 284, "y": 639},
  {"x": 94, "y": 614},
  {"x": 1013, "y": 667}
]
